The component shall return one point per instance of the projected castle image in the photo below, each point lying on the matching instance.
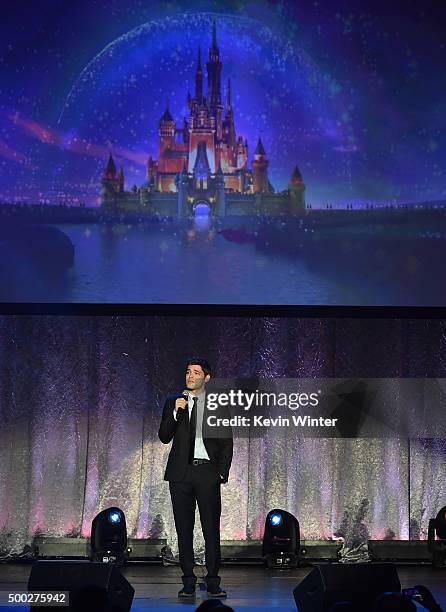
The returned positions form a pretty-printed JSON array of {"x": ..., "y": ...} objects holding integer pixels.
[{"x": 204, "y": 163}]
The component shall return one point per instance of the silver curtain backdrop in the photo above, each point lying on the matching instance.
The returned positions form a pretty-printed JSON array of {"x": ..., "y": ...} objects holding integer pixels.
[{"x": 81, "y": 399}]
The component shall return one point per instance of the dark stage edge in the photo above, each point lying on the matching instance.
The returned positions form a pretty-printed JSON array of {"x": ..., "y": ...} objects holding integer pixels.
[
  {"x": 249, "y": 588},
  {"x": 224, "y": 310}
]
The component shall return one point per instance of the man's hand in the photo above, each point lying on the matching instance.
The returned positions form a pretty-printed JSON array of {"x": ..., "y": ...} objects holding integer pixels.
[{"x": 180, "y": 403}]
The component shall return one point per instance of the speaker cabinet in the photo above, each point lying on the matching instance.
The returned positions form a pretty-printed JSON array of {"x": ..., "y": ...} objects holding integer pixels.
[
  {"x": 359, "y": 583},
  {"x": 91, "y": 586}
]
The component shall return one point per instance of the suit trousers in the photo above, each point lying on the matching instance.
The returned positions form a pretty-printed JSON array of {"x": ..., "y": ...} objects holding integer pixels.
[{"x": 201, "y": 485}]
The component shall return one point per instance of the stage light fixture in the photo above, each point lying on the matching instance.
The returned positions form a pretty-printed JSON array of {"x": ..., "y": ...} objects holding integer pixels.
[
  {"x": 281, "y": 539},
  {"x": 114, "y": 517},
  {"x": 275, "y": 519},
  {"x": 109, "y": 537},
  {"x": 436, "y": 538}
]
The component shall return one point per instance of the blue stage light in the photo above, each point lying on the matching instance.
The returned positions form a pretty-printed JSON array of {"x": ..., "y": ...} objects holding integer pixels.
[
  {"x": 276, "y": 520},
  {"x": 108, "y": 542},
  {"x": 281, "y": 539},
  {"x": 114, "y": 517}
]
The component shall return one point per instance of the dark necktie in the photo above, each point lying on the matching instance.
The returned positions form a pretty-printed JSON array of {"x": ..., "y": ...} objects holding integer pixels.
[{"x": 192, "y": 430}]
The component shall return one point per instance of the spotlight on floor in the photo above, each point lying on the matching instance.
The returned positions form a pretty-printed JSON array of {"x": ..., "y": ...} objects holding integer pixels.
[
  {"x": 436, "y": 539},
  {"x": 109, "y": 537},
  {"x": 281, "y": 539}
]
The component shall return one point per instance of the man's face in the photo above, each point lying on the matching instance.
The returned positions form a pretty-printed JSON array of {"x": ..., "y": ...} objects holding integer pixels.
[{"x": 195, "y": 377}]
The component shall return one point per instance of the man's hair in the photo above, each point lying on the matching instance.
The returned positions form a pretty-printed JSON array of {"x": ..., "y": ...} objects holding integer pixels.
[{"x": 201, "y": 362}]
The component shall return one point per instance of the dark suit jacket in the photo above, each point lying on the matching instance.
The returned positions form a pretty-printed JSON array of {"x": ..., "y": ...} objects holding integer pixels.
[{"x": 217, "y": 441}]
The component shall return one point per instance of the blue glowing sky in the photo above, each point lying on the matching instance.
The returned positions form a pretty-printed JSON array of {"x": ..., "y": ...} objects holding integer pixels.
[{"x": 352, "y": 92}]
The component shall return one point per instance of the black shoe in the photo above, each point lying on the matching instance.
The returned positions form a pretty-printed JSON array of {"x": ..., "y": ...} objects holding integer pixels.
[
  {"x": 216, "y": 592},
  {"x": 187, "y": 591}
]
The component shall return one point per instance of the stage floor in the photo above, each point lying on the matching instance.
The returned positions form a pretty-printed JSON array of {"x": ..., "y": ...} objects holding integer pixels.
[{"x": 250, "y": 588}]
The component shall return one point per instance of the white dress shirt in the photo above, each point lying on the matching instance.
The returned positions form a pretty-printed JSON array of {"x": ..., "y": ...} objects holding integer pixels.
[{"x": 199, "y": 448}]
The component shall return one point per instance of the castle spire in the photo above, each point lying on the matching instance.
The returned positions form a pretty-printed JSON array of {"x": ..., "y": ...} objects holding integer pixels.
[
  {"x": 214, "y": 47},
  {"x": 230, "y": 116},
  {"x": 214, "y": 67},
  {"x": 110, "y": 170},
  {"x": 260, "y": 149},
  {"x": 199, "y": 79},
  {"x": 228, "y": 96},
  {"x": 296, "y": 177},
  {"x": 167, "y": 116}
]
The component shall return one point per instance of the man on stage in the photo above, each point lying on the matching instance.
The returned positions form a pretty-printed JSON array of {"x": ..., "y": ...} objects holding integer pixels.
[{"x": 199, "y": 462}]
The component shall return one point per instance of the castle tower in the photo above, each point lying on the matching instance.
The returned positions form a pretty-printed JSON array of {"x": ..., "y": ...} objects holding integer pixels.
[
  {"x": 167, "y": 133},
  {"x": 214, "y": 67},
  {"x": 110, "y": 184},
  {"x": 242, "y": 153},
  {"x": 110, "y": 169},
  {"x": 110, "y": 176},
  {"x": 152, "y": 166},
  {"x": 260, "y": 170},
  {"x": 220, "y": 192},
  {"x": 169, "y": 164},
  {"x": 296, "y": 188}
]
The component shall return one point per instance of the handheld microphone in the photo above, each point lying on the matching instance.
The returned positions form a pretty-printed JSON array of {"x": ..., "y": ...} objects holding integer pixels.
[
  {"x": 180, "y": 412},
  {"x": 184, "y": 395}
]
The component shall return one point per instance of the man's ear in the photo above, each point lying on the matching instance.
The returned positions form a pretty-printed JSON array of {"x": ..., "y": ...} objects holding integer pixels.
[{"x": 207, "y": 378}]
